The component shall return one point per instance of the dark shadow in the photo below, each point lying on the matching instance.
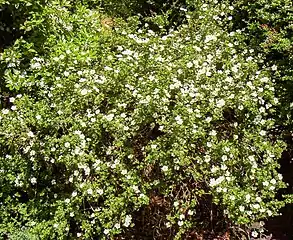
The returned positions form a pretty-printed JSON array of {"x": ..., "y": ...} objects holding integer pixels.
[{"x": 281, "y": 227}]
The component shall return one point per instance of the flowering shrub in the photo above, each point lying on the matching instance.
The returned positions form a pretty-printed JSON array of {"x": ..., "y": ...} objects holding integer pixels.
[{"x": 99, "y": 118}]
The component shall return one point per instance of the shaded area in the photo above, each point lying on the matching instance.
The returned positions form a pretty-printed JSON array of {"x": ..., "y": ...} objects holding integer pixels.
[
  {"x": 281, "y": 227},
  {"x": 151, "y": 222},
  {"x": 8, "y": 31}
]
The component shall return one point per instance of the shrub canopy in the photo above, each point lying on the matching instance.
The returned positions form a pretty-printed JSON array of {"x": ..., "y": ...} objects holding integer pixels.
[{"x": 104, "y": 114}]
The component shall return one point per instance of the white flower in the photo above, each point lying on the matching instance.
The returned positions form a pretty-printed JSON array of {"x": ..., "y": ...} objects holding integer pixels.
[
  {"x": 36, "y": 65},
  {"x": 208, "y": 74},
  {"x": 190, "y": 212},
  {"x": 258, "y": 199},
  {"x": 38, "y": 117},
  {"x": 164, "y": 38},
  {"x": 127, "y": 221},
  {"x": 214, "y": 169},
  {"x": 247, "y": 198},
  {"x": 273, "y": 181},
  {"x": 5, "y": 111},
  {"x": 78, "y": 235},
  {"x": 261, "y": 223},
  {"x": 124, "y": 172},
  {"x": 179, "y": 120},
  {"x": 189, "y": 64},
  {"x": 110, "y": 117},
  {"x": 210, "y": 38},
  {"x": 208, "y": 119},
  {"x": 33, "y": 223},
  {"x": 264, "y": 79},
  {"x": 223, "y": 167},
  {"x": 220, "y": 103},
  {"x": 262, "y": 210},
  {"x": 241, "y": 208},
  {"x": 269, "y": 212},
  {"x": 67, "y": 200},
  {"x": 106, "y": 231},
  {"x": 274, "y": 67},
  {"x": 256, "y": 206},
  {"x": 254, "y": 234},
  {"x": 224, "y": 157},
  {"x": 197, "y": 48},
  {"x": 30, "y": 134},
  {"x": 213, "y": 133},
  {"x": 142, "y": 195},
  {"x": 207, "y": 158},
  {"x": 33, "y": 180},
  {"x": 74, "y": 194},
  {"x": 276, "y": 100},
  {"x": 260, "y": 89},
  {"x": 176, "y": 204},
  {"x": 100, "y": 191},
  {"x": 117, "y": 225},
  {"x": 214, "y": 182},
  {"x": 165, "y": 168},
  {"x": 262, "y": 133},
  {"x": 55, "y": 225},
  {"x": 249, "y": 58},
  {"x": 87, "y": 171},
  {"x": 127, "y": 52},
  {"x": 153, "y": 146},
  {"x": 265, "y": 183},
  {"x": 180, "y": 223},
  {"x": 232, "y": 198},
  {"x": 67, "y": 144},
  {"x": 90, "y": 191},
  {"x": 12, "y": 99},
  {"x": 135, "y": 188},
  {"x": 84, "y": 91},
  {"x": 66, "y": 74},
  {"x": 235, "y": 69},
  {"x": 71, "y": 214},
  {"x": 262, "y": 109}
]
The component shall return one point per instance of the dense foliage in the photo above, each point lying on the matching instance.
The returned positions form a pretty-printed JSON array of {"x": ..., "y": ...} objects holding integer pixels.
[{"x": 106, "y": 112}]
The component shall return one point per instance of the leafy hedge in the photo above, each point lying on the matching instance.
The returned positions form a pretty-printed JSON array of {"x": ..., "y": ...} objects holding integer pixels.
[{"x": 102, "y": 116}]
